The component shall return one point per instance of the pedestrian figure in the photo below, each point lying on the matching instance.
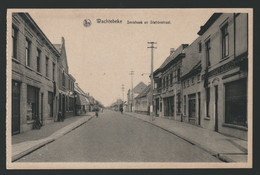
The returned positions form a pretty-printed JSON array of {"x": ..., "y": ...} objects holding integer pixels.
[
  {"x": 96, "y": 113},
  {"x": 121, "y": 109}
]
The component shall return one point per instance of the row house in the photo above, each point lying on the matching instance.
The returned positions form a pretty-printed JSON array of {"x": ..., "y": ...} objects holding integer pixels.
[
  {"x": 34, "y": 73},
  {"x": 142, "y": 101},
  {"x": 224, "y": 40},
  {"x": 206, "y": 83},
  {"x": 65, "y": 83},
  {"x": 191, "y": 83},
  {"x": 132, "y": 94},
  {"x": 167, "y": 85},
  {"x": 41, "y": 84},
  {"x": 82, "y": 102}
]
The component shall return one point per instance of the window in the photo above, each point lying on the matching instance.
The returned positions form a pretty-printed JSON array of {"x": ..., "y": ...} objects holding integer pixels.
[
  {"x": 178, "y": 74},
  {"x": 184, "y": 104},
  {"x": 171, "y": 78},
  {"x": 207, "y": 101},
  {"x": 14, "y": 44},
  {"x": 200, "y": 48},
  {"x": 208, "y": 53},
  {"x": 63, "y": 79},
  {"x": 224, "y": 40},
  {"x": 184, "y": 84},
  {"x": 236, "y": 102},
  {"x": 27, "y": 52},
  {"x": 192, "y": 80},
  {"x": 167, "y": 83},
  {"x": 53, "y": 71},
  {"x": 47, "y": 66},
  {"x": 38, "y": 60},
  {"x": 188, "y": 83},
  {"x": 198, "y": 78}
]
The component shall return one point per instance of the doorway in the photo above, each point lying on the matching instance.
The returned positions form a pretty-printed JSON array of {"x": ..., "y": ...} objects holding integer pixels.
[
  {"x": 216, "y": 108},
  {"x": 192, "y": 108},
  {"x": 15, "y": 108}
]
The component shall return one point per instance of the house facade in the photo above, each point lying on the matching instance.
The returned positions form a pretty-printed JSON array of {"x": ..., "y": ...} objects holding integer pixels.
[
  {"x": 191, "y": 83},
  {"x": 131, "y": 106},
  {"x": 34, "y": 74},
  {"x": 65, "y": 85},
  {"x": 142, "y": 101},
  {"x": 206, "y": 83},
  {"x": 224, "y": 39},
  {"x": 167, "y": 83}
]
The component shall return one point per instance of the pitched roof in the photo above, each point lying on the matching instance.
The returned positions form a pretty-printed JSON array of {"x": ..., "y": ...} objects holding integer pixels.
[
  {"x": 144, "y": 92},
  {"x": 139, "y": 87}
]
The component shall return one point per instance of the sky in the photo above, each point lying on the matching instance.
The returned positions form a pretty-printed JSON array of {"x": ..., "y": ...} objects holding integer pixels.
[{"x": 101, "y": 56}]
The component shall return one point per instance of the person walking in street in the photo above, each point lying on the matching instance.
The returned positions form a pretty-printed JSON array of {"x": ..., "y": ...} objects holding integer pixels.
[{"x": 121, "y": 110}]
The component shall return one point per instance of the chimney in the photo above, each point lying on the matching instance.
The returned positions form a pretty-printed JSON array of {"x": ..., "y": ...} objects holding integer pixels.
[{"x": 172, "y": 50}]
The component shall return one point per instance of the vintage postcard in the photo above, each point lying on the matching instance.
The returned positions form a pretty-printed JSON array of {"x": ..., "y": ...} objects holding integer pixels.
[{"x": 129, "y": 88}]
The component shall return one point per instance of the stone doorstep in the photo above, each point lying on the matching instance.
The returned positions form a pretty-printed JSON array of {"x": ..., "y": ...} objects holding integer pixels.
[{"x": 31, "y": 146}]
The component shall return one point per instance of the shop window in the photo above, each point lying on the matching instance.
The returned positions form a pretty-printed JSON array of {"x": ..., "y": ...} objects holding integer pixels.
[
  {"x": 236, "y": 102},
  {"x": 32, "y": 103}
]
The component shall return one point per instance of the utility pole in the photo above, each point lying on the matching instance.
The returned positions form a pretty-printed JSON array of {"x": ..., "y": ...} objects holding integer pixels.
[
  {"x": 123, "y": 88},
  {"x": 151, "y": 105},
  {"x": 132, "y": 94}
]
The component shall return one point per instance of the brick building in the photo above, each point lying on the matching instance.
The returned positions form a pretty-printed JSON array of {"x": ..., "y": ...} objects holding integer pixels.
[
  {"x": 206, "y": 83},
  {"x": 65, "y": 84},
  {"x": 34, "y": 73},
  {"x": 167, "y": 88},
  {"x": 224, "y": 39},
  {"x": 191, "y": 83}
]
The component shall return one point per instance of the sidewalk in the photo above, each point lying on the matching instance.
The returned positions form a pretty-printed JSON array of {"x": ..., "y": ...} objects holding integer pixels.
[
  {"x": 29, "y": 141},
  {"x": 228, "y": 149}
]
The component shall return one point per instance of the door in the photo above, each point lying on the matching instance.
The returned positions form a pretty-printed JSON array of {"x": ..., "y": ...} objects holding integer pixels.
[
  {"x": 216, "y": 108},
  {"x": 15, "y": 108},
  {"x": 42, "y": 107},
  {"x": 192, "y": 108},
  {"x": 198, "y": 108},
  {"x": 63, "y": 105}
]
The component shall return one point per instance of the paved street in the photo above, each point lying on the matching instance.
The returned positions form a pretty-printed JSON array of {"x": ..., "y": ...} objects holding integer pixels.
[{"x": 113, "y": 137}]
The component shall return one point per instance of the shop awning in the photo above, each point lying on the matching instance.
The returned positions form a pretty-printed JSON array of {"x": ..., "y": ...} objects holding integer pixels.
[{"x": 81, "y": 100}]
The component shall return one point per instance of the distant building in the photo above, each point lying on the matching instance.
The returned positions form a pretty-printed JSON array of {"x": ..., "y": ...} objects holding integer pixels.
[
  {"x": 131, "y": 95},
  {"x": 142, "y": 101},
  {"x": 82, "y": 103}
]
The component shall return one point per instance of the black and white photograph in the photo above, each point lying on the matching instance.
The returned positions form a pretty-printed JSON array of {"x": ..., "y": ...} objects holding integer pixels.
[{"x": 129, "y": 88}]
